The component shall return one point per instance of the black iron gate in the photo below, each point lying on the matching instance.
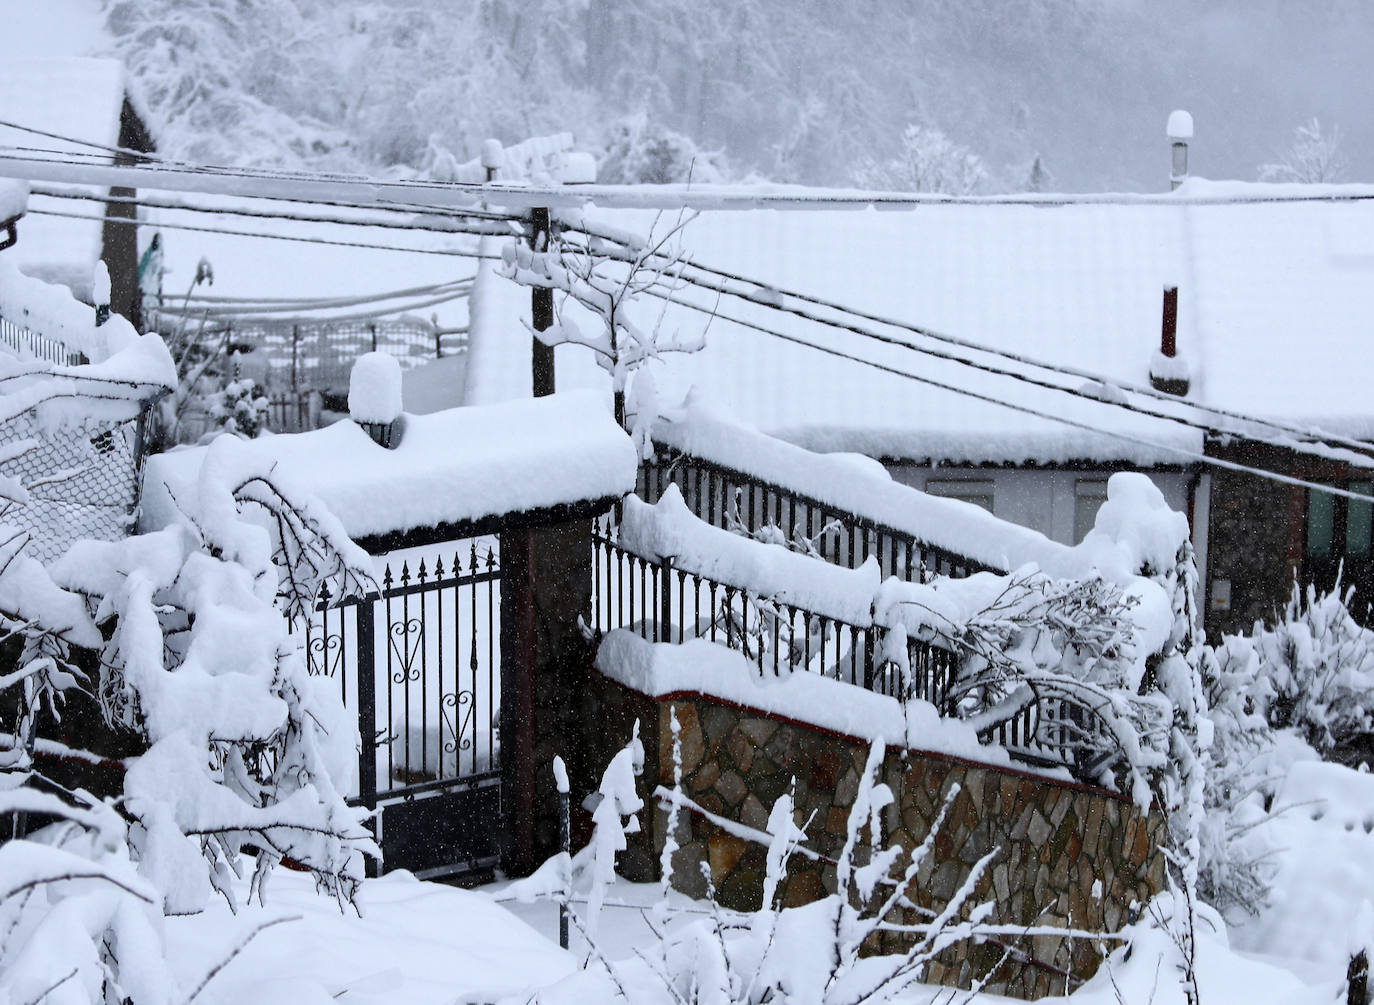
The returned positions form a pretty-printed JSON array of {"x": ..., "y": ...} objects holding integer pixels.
[{"x": 420, "y": 662}]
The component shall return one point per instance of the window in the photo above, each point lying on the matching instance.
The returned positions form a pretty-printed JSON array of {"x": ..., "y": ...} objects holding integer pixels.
[
  {"x": 1337, "y": 526},
  {"x": 970, "y": 490},
  {"x": 1088, "y": 496}
]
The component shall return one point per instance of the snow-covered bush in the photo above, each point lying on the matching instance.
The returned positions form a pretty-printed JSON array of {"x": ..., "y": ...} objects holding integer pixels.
[
  {"x": 1313, "y": 669},
  {"x": 1312, "y": 158},
  {"x": 192, "y": 626},
  {"x": 807, "y": 954},
  {"x": 240, "y": 408},
  {"x": 927, "y": 161},
  {"x": 641, "y": 152},
  {"x": 607, "y": 279},
  {"x": 1298, "y": 689}
]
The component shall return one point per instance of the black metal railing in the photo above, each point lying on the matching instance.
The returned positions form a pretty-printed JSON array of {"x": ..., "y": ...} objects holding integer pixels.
[
  {"x": 729, "y": 498},
  {"x": 662, "y": 602}
]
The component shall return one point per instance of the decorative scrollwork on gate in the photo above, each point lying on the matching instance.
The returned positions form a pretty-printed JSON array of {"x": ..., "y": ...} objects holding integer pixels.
[
  {"x": 406, "y": 639},
  {"x": 323, "y": 650},
  {"x": 460, "y": 737}
]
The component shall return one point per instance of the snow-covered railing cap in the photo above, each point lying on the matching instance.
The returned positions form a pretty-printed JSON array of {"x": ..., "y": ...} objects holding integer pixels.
[{"x": 374, "y": 396}]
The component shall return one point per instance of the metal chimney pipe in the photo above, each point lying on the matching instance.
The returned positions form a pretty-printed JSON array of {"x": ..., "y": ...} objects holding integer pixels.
[{"x": 1179, "y": 130}]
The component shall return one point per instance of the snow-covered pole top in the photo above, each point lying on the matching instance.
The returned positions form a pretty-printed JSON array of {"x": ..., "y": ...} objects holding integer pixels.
[
  {"x": 560, "y": 774},
  {"x": 1179, "y": 129},
  {"x": 100, "y": 292},
  {"x": 374, "y": 394},
  {"x": 493, "y": 157}
]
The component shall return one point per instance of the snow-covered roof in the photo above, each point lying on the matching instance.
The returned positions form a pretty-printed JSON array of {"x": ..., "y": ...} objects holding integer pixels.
[
  {"x": 449, "y": 467},
  {"x": 1275, "y": 301},
  {"x": 76, "y": 97}
]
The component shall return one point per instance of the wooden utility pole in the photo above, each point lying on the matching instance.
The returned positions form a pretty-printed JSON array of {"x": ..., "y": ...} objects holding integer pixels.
[{"x": 541, "y": 312}]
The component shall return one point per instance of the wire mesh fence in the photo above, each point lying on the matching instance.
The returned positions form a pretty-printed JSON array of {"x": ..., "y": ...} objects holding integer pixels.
[{"x": 82, "y": 482}]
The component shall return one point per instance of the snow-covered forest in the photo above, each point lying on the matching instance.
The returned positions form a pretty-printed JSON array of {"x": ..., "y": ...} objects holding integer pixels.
[{"x": 810, "y": 92}]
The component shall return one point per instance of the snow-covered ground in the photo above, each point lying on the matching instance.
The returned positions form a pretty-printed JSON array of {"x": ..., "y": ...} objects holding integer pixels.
[{"x": 420, "y": 942}]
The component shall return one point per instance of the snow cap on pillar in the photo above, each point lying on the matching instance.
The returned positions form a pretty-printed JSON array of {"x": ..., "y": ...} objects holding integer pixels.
[
  {"x": 493, "y": 156},
  {"x": 374, "y": 395}
]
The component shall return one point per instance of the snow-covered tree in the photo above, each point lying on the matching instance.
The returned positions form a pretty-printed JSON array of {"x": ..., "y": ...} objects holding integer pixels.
[
  {"x": 927, "y": 160},
  {"x": 639, "y": 151},
  {"x": 1313, "y": 157},
  {"x": 608, "y": 279}
]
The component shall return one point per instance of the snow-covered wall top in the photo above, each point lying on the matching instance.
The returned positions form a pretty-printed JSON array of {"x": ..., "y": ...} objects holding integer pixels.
[
  {"x": 1264, "y": 288},
  {"x": 866, "y": 491},
  {"x": 74, "y": 97},
  {"x": 450, "y": 466},
  {"x": 701, "y": 667}
]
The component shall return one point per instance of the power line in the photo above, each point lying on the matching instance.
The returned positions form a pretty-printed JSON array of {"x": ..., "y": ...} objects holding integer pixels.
[
  {"x": 524, "y": 195},
  {"x": 274, "y": 237},
  {"x": 268, "y": 318},
  {"x": 213, "y": 301},
  {"x": 770, "y": 301},
  {"x": 1025, "y": 409},
  {"x": 467, "y": 228},
  {"x": 84, "y": 143}
]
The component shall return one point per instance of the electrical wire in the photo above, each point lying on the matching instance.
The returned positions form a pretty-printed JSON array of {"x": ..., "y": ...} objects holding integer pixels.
[
  {"x": 1191, "y": 455},
  {"x": 469, "y": 228},
  {"x": 266, "y": 318},
  {"x": 213, "y": 301},
  {"x": 674, "y": 197},
  {"x": 274, "y": 237},
  {"x": 1316, "y": 436}
]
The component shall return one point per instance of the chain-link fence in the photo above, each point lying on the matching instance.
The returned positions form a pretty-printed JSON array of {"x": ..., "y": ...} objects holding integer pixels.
[{"x": 82, "y": 481}]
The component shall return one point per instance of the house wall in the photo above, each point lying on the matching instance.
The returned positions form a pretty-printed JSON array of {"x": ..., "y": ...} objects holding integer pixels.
[
  {"x": 1040, "y": 498},
  {"x": 1056, "y": 841}
]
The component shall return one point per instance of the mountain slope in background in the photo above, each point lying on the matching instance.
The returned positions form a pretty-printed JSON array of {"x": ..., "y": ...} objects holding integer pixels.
[{"x": 790, "y": 90}]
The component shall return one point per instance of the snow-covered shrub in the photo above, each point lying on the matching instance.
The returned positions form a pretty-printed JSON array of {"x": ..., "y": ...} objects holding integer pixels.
[
  {"x": 641, "y": 152},
  {"x": 927, "y": 161},
  {"x": 808, "y": 954},
  {"x": 244, "y": 751},
  {"x": 1295, "y": 690},
  {"x": 201, "y": 661},
  {"x": 1312, "y": 158},
  {"x": 607, "y": 279},
  {"x": 240, "y": 408},
  {"x": 1313, "y": 669}
]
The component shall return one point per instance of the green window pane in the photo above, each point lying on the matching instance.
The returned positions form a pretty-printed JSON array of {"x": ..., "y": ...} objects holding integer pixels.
[
  {"x": 1358, "y": 522},
  {"x": 1321, "y": 514}
]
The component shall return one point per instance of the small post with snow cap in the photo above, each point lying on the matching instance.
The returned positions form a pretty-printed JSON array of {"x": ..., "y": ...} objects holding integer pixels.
[
  {"x": 100, "y": 292},
  {"x": 1180, "y": 131},
  {"x": 560, "y": 777}
]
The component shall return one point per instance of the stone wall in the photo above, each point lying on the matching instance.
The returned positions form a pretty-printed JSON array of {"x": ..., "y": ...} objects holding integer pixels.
[{"x": 1056, "y": 839}]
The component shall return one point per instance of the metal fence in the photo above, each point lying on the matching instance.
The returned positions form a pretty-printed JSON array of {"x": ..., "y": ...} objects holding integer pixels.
[
  {"x": 318, "y": 355},
  {"x": 419, "y": 664},
  {"x": 28, "y": 342},
  {"x": 662, "y": 603},
  {"x": 82, "y": 481},
  {"x": 724, "y": 496}
]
